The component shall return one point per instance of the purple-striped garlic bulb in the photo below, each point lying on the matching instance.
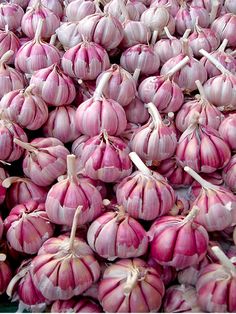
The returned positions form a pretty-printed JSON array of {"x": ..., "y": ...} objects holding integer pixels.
[
  {"x": 22, "y": 289},
  {"x": 126, "y": 286},
  {"x": 203, "y": 38},
  {"x": 171, "y": 5},
  {"x": 187, "y": 75},
  {"x": 216, "y": 285},
  {"x": 213, "y": 202},
  {"x": 181, "y": 299},
  {"x": 174, "y": 173},
  {"x": 21, "y": 190},
  {"x": 66, "y": 195},
  {"x": 229, "y": 174},
  {"x": 5, "y": 273},
  {"x": 56, "y": 6},
  {"x": 230, "y": 6},
  {"x": 63, "y": 115},
  {"x": 76, "y": 305},
  {"x": 105, "y": 158},
  {"x": 167, "y": 274},
  {"x": 227, "y": 130},
  {"x": 78, "y": 145},
  {"x": 145, "y": 194},
  {"x": 10, "y": 14},
  {"x": 154, "y": 141},
  {"x": 44, "y": 160},
  {"x": 191, "y": 148},
  {"x": 136, "y": 112},
  {"x": 25, "y": 108},
  {"x": 36, "y": 54},
  {"x": 187, "y": 16},
  {"x": 209, "y": 115},
  {"x": 94, "y": 28},
  {"x": 225, "y": 58},
  {"x": 9, "y": 151},
  {"x": 68, "y": 34},
  {"x": 115, "y": 234},
  {"x": 65, "y": 266},
  {"x": 10, "y": 78},
  {"x": 55, "y": 87},
  {"x": 157, "y": 17},
  {"x": 120, "y": 85},
  {"x": 225, "y": 27},
  {"x": 209, "y": 5},
  {"x": 162, "y": 91},
  {"x": 135, "y": 32},
  {"x": 178, "y": 241},
  {"x": 33, "y": 15},
  {"x": 3, "y": 176},
  {"x": 85, "y": 61},
  {"x": 140, "y": 58},
  {"x": 78, "y": 9},
  {"x": 28, "y": 227},
  {"x": 220, "y": 90},
  {"x": 9, "y": 41}
]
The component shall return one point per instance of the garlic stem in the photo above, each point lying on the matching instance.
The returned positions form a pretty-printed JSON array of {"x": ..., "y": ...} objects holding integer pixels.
[
  {"x": 191, "y": 215},
  {"x": 6, "y": 28},
  {"x": 15, "y": 279},
  {"x": 154, "y": 37},
  {"x": 224, "y": 260},
  {"x": 2, "y": 257},
  {"x": 152, "y": 109},
  {"x": 8, "y": 181},
  {"x": 177, "y": 67},
  {"x": 74, "y": 227},
  {"x": 186, "y": 33},
  {"x": 28, "y": 91},
  {"x": 53, "y": 39},
  {"x": 185, "y": 46},
  {"x": 6, "y": 56},
  {"x": 71, "y": 167},
  {"x": 200, "y": 180},
  {"x": 168, "y": 34},
  {"x": 214, "y": 8},
  {"x": 139, "y": 163},
  {"x": 38, "y": 32},
  {"x": 200, "y": 89},
  {"x": 101, "y": 85},
  {"x": 136, "y": 74},
  {"x": 223, "y": 45},
  {"x": 123, "y": 9},
  {"x": 131, "y": 281},
  {"x": 214, "y": 61},
  {"x": 24, "y": 145}
]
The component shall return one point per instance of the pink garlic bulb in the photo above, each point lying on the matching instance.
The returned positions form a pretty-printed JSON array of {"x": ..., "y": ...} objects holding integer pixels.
[
  {"x": 78, "y": 9},
  {"x": 55, "y": 87},
  {"x": 214, "y": 202},
  {"x": 192, "y": 71},
  {"x": 25, "y": 108},
  {"x": 136, "y": 112},
  {"x": 68, "y": 34},
  {"x": 223, "y": 57},
  {"x": 172, "y": 5},
  {"x": 8, "y": 41},
  {"x": 191, "y": 149},
  {"x": 187, "y": 16},
  {"x": 63, "y": 115},
  {"x": 10, "y": 14},
  {"x": 75, "y": 305},
  {"x": 5, "y": 273},
  {"x": 209, "y": 5},
  {"x": 106, "y": 158},
  {"x": 94, "y": 28},
  {"x": 162, "y": 91},
  {"x": 230, "y": 6},
  {"x": 178, "y": 241},
  {"x": 85, "y": 61},
  {"x": 135, "y": 32},
  {"x": 66, "y": 195},
  {"x": 220, "y": 90},
  {"x": 135, "y": 8},
  {"x": 60, "y": 274},
  {"x": 28, "y": 227},
  {"x": 78, "y": 145},
  {"x": 203, "y": 38},
  {"x": 117, "y": 235},
  {"x": 3, "y": 176},
  {"x": 225, "y": 27},
  {"x": 33, "y": 15},
  {"x": 22, "y": 3},
  {"x": 209, "y": 115},
  {"x": 145, "y": 194},
  {"x": 127, "y": 285},
  {"x": 120, "y": 86},
  {"x": 157, "y": 17},
  {"x": 229, "y": 174},
  {"x": 56, "y": 6},
  {"x": 167, "y": 274},
  {"x": 21, "y": 190},
  {"x": 141, "y": 57},
  {"x": 10, "y": 78},
  {"x": 227, "y": 130},
  {"x": 174, "y": 173},
  {"x": 216, "y": 285},
  {"x": 38, "y": 54},
  {"x": 154, "y": 141},
  {"x": 44, "y": 160},
  {"x": 9, "y": 151}
]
